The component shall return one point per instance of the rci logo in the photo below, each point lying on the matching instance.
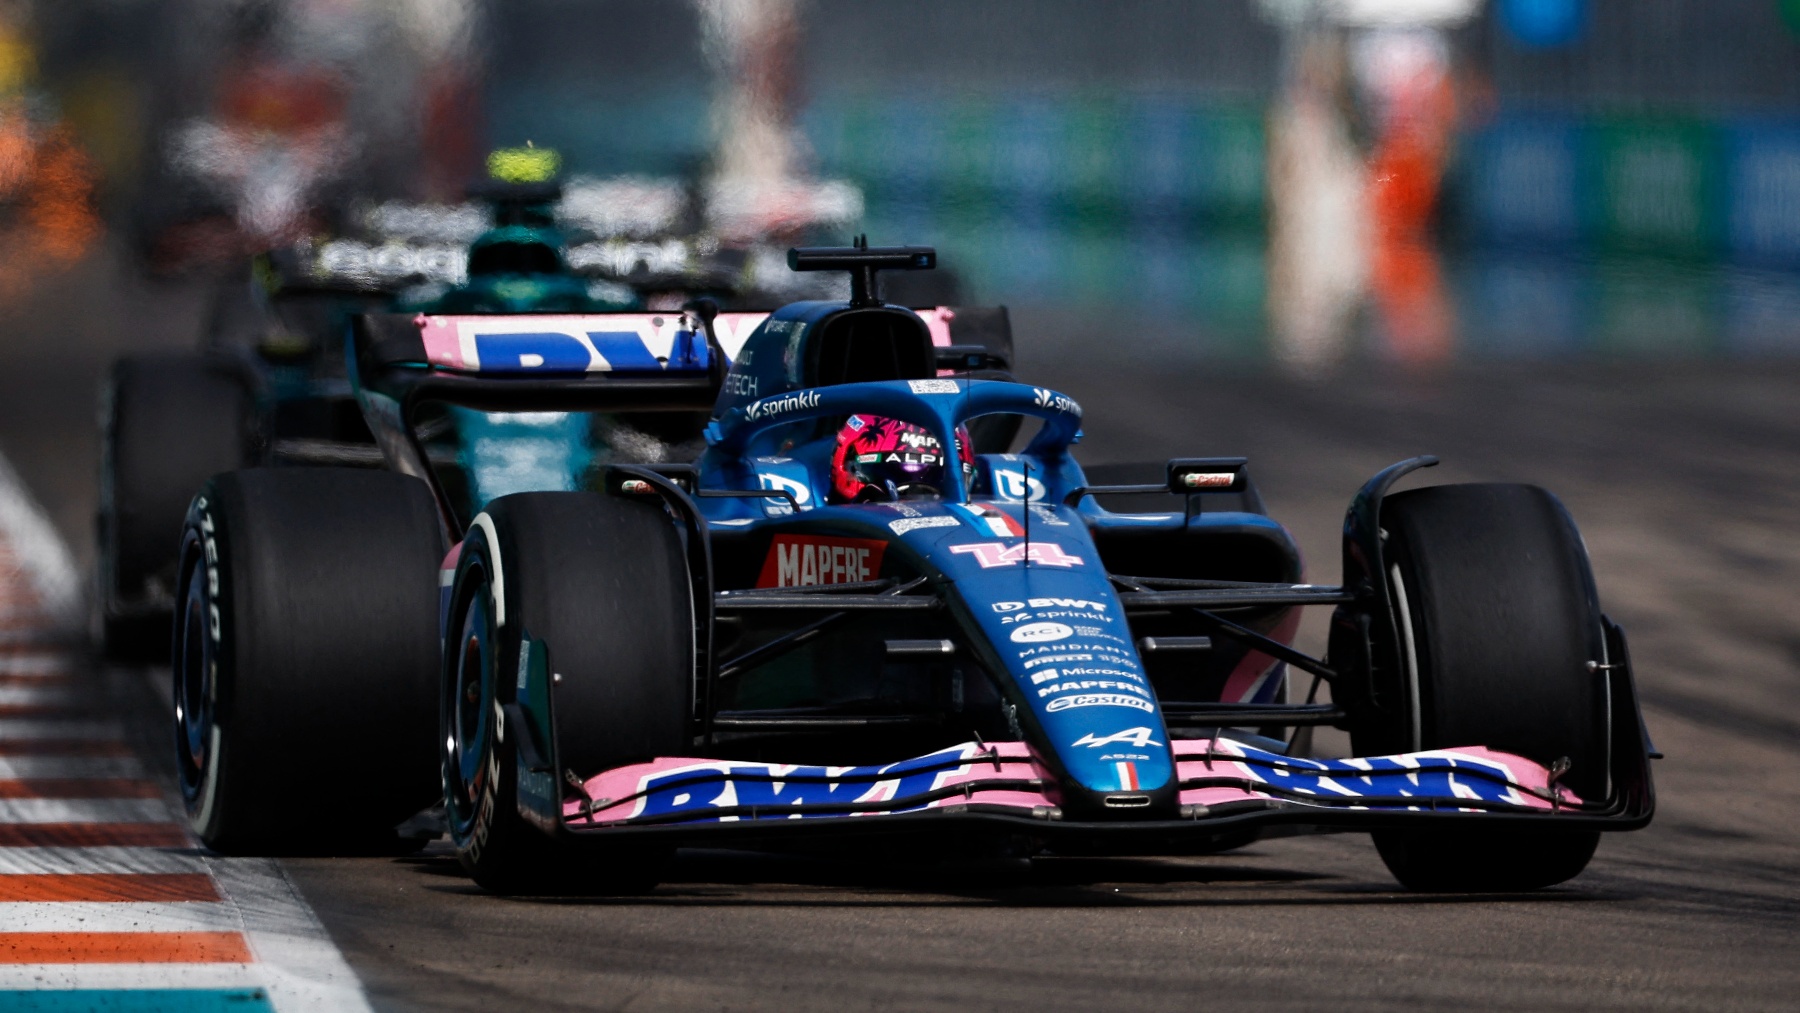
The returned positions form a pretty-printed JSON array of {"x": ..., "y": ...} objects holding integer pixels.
[{"x": 1038, "y": 633}]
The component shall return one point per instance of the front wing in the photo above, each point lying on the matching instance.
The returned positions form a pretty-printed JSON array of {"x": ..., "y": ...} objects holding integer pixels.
[
  {"x": 1223, "y": 782},
  {"x": 1224, "y": 785}
]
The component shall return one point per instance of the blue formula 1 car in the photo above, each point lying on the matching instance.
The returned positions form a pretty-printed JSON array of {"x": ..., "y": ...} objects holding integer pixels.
[{"x": 844, "y": 618}]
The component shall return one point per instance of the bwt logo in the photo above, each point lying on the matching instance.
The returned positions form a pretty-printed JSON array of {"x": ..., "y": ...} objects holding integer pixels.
[
  {"x": 1051, "y": 399},
  {"x": 779, "y": 405},
  {"x": 1047, "y": 603}
]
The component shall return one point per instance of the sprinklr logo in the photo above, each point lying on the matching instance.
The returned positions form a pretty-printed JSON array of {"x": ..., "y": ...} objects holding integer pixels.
[
  {"x": 785, "y": 403},
  {"x": 1051, "y": 399}
]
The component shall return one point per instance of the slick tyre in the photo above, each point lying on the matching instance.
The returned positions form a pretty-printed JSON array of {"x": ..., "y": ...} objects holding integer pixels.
[
  {"x": 169, "y": 423},
  {"x": 306, "y": 657},
  {"x": 1498, "y": 620},
  {"x": 600, "y": 584}
]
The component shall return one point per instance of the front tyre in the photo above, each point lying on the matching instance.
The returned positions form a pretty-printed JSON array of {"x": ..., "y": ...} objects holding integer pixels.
[
  {"x": 1498, "y": 619},
  {"x": 305, "y": 659},
  {"x": 600, "y": 584}
]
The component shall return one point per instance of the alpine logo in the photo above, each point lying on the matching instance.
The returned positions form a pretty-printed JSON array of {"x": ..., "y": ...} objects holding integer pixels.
[
  {"x": 992, "y": 554},
  {"x": 779, "y": 405},
  {"x": 1139, "y": 737}
]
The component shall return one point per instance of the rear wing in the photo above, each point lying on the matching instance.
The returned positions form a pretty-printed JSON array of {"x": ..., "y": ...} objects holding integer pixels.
[
  {"x": 633, "y": 361},
  {"x": 636, "y": 361}
]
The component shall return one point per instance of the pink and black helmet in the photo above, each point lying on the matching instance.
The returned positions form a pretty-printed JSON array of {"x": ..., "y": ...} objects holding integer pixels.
[{"x": 881, "y": 459}]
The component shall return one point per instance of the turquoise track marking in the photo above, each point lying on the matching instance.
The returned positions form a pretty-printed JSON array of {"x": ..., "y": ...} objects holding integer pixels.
[{"x": 137, "y": 1000}]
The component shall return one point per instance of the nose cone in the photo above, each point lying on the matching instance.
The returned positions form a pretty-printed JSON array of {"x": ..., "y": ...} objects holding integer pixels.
[{"x": 1059, "y": 635}]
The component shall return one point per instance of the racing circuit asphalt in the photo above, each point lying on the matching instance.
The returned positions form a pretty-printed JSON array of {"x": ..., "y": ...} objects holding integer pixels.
[{"x": 1685, "y": 478}]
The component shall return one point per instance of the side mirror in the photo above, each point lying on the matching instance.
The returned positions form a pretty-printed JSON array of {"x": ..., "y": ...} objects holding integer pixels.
[{"x": 967, "y": 358}]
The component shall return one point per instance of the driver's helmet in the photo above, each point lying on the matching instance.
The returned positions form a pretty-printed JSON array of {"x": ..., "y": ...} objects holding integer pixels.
[{"x": 884, "y": 459}]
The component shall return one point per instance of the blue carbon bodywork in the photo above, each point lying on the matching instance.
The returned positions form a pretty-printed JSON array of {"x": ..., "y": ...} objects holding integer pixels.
[
  {"x": 1052, "y": 623},
  {"x": 1025, "y": 580}
]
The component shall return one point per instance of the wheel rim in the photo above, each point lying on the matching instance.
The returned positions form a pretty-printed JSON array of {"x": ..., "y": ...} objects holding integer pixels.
[
  {"x": 195, "y": 670},
  {"x": 469, "y": 712}
]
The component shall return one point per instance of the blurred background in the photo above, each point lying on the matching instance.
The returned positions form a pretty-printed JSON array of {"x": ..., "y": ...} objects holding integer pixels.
[
  {"x": 1297, "y": 187},
  {"x": 1297, "y": 181}
]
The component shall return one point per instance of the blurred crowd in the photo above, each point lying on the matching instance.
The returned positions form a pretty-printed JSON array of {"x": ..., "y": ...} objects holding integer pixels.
[{"x": 1302, "y": 179}]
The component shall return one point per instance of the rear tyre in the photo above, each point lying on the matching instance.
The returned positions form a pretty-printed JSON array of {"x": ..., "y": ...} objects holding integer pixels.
[
  {"x": 170, "y": 423},
  {"x": 306, "y": 659},
  {"x": 1498, "y": 621},
  {"x": 600, "y": 584}
]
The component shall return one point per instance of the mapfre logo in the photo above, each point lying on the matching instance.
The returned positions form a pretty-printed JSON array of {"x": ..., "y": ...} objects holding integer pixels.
[{"x": 807, "y": 560}]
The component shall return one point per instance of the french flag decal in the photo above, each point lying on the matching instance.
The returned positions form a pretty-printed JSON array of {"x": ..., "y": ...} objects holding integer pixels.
[
  {"x": 991, "y": 520},
  {"x": 1127, "y": 775}
]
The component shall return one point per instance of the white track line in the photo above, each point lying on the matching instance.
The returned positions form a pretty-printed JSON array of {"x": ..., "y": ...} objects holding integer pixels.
[
  {"x": 26, "y": 665},
  {"x": 13, "y": 767},
  {"x": 32, "y": 728},
  {"x": 115, "y": 916},
  {"x": 83, "y": 810},
  {"x": 131, "y": 976},
  {"x": 287, "y": 937},
  {"x": 39, "y": 550},
  {"x": 112, "y": 860},
  {"x": 43, "y": 695}
]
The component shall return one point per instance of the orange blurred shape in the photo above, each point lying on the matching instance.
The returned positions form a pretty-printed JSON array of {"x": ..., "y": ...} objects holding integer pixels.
[
  {"x": 16, "y": 152},
  {"x": 123, "y": 948},
  {"x": 54, "y": 222},
  {"x": 1405, "y": 178},
  {"x": 109, "y": 887},
  {"x": 1409, "y": 292}
]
